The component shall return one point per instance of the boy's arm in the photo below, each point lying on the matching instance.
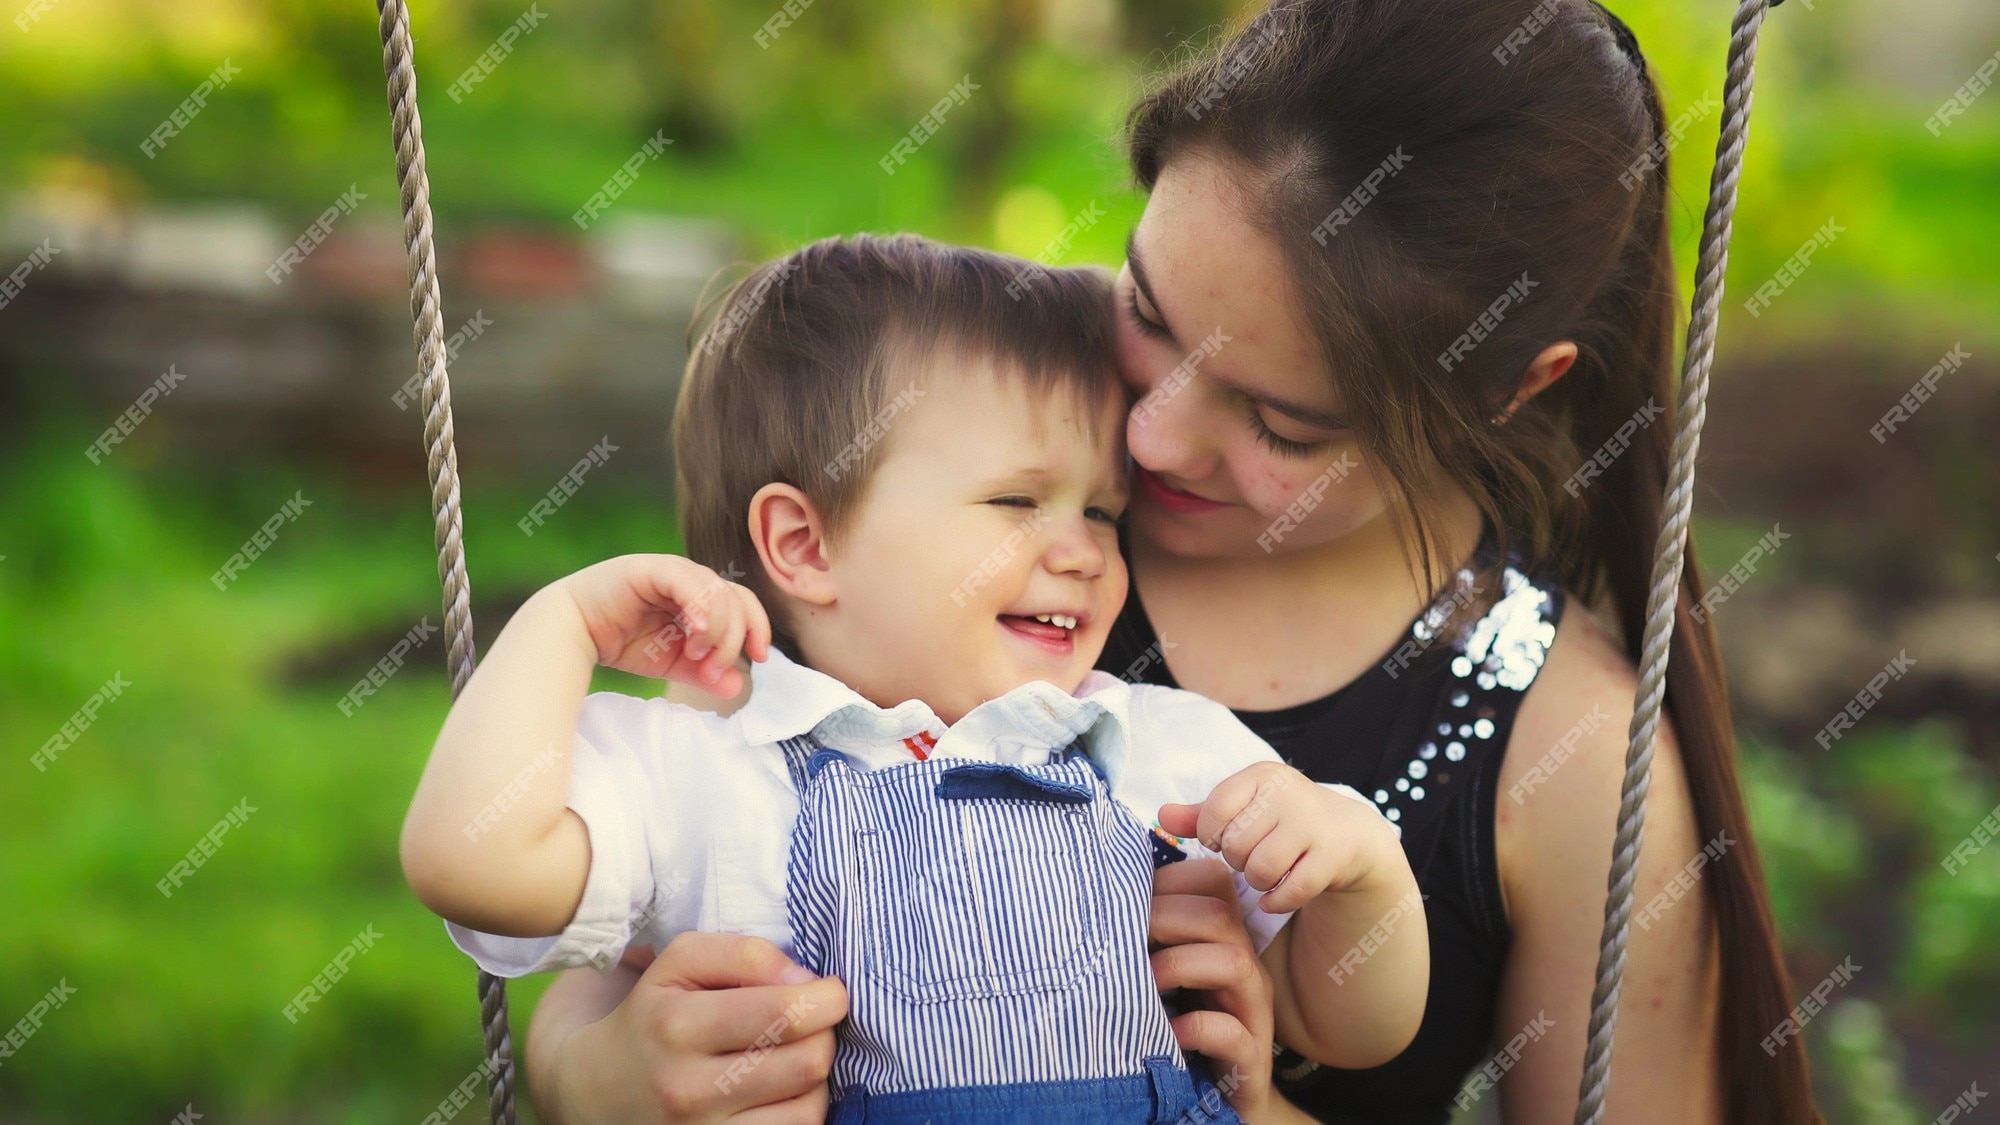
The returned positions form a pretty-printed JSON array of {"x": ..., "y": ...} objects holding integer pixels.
[
  {"x": 1352, "y": 969},
  {"x": 489, "y": 842}
]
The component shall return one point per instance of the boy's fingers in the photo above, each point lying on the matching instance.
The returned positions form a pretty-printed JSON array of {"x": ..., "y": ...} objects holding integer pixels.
[
  {"x": 1272, "y": 856},
  {"x": 1181, "y": 820},
  {"x": 758, "y": 641}
]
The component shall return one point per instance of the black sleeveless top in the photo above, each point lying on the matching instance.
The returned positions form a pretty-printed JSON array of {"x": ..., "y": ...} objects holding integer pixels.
[{"x": 1422, "y": 732}]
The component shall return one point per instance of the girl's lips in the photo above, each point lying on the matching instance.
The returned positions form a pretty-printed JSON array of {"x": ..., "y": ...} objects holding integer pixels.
[{"x": 1171, "y": 498}]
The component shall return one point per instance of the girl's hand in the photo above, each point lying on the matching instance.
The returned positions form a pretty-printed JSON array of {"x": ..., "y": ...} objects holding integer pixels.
[
  {"x": 670, "y": 618},
  {"x": 1200, "y": 944},
  {"x": 722, "y": 1027},
  {"x": 1288, "y": 836}
]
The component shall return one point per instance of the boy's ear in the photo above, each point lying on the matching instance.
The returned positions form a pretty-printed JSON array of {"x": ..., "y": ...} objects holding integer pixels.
[{"x": 791, "y": 542}]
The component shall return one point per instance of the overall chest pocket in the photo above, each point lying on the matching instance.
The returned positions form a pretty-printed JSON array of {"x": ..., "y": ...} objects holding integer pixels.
[{"x": 990, "y": 884}]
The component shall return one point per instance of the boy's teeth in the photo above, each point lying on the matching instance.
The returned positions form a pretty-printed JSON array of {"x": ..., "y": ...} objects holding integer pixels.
[{"x": 1062, "y": 619}]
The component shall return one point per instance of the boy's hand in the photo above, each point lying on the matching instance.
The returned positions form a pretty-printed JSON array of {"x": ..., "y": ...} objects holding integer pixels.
[
  {"x": 670, "y": 618},
  {"x": 1288, "y": 836}
]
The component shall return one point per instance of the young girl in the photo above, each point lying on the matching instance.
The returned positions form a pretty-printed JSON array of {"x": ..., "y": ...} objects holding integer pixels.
[{"x": 1363, "y": 183}]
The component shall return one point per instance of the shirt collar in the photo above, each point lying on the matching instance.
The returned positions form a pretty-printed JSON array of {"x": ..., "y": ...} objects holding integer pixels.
[{"x": 1025, "y": 726}]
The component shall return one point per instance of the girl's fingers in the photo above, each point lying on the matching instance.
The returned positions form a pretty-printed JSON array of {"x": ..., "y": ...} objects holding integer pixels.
[
  {"x": 759, "y": 641},
  {"x": 775, "y": 1078},
  {"x": 1206, "y": 876},
  {"x": 1223, "y": 1040},
  {"x": 1181, "y": 820},
  {"x": 1190, "y": 919}
]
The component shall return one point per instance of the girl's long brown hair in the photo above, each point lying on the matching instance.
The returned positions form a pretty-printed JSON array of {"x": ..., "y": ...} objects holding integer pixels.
[{"x": 1415, "y": 160}]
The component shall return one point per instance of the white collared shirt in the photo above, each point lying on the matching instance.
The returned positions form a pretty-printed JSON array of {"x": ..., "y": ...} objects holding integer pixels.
[{"x": 690, "y": 813}]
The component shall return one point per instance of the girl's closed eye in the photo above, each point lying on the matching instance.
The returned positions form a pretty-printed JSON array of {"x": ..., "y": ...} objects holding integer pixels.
[{"x": 1155, "y": 330}]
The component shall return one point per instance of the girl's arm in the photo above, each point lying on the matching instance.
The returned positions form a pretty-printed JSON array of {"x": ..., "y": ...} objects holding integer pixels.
[
  {"x": 489, "y": 842},
  {"x": 1554, "y": 853}
]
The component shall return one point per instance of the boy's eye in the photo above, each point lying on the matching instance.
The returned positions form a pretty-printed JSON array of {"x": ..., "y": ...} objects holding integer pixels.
[
  {"x": 1013, "y": 502},
  {"x": 1104, "y": 514}
]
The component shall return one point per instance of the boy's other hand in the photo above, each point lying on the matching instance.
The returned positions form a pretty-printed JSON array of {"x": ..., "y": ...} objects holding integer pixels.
[
  {"x": 670, "y": 618},
  {"x": 1288, "y": 836}
]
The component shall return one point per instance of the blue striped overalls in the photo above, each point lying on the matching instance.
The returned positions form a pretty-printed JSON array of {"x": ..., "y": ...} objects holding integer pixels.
[{"x": 989, "y": 922}]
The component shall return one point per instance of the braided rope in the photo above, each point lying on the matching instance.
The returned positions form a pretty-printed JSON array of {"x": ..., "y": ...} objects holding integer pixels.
[
  {"x": 1664, "y": 596},
  {"x": 442, "y": 458}
]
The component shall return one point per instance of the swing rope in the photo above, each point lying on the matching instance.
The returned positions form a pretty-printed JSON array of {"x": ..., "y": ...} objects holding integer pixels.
[
  {"x": 426, "y": 311},
  {"x": 1669, "y": 555},
  {"x": 1691, "y": 412}
]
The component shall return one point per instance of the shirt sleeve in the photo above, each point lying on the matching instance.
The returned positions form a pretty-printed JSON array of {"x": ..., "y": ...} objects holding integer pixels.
[{"x": 617, "y": 738}]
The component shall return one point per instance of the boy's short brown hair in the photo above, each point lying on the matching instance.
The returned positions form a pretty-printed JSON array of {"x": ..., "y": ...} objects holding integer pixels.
[{"x": 791, "y": 379}]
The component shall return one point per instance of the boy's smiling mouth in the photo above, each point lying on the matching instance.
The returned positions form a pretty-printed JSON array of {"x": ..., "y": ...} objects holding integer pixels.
[{"x": 1054, "y": 632}]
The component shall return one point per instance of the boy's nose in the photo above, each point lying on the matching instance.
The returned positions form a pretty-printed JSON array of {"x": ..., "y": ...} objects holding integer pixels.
[{"x": 1073, "y": 549}]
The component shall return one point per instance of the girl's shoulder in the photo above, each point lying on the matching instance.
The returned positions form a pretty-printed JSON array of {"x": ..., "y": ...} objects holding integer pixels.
[{"x": 1562, "y": 774}]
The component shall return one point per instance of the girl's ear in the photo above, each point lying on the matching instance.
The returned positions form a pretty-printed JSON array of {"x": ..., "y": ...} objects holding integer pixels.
[
  {"x": 1551, "y": 364},
  {"x": 791, "y": 543}
]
